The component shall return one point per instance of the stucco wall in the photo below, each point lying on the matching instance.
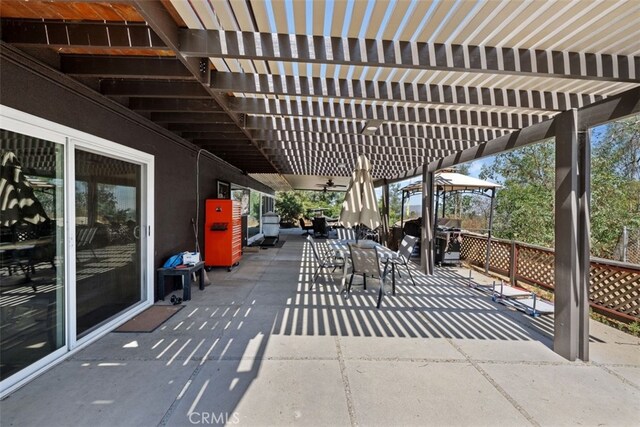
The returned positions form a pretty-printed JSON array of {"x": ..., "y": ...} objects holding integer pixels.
[{"x": 36, "y": 89}]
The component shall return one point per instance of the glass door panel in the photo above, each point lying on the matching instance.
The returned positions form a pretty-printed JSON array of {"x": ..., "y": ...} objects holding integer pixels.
[
  {"x": 108, "y": 248},
  {"x": 32, "y": 263}
]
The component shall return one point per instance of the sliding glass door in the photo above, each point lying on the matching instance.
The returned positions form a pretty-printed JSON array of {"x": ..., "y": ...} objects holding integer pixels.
[
  {"x": 75, "y": 241},
  {"x": 32, "y": 257},
  {"x": 108, "y": 251}
]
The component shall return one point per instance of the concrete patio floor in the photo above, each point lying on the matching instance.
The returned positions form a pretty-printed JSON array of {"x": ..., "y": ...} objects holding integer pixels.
[{"x": 258, "y": 347}]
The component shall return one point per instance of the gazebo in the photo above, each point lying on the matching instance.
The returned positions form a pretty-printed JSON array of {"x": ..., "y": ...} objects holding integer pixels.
[{"x": 451, "y": 183}]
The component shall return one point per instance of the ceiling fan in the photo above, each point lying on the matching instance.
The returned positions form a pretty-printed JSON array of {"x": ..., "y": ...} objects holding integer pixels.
[{"x": 329, "y": 184}]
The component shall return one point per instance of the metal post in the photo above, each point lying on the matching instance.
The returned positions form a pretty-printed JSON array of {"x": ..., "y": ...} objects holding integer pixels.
[
  {"x": 444, "y": 204},
  {"x": 385, "y": 213},
  {"x": 426, "y": 245},
  {"x": 488, "y": 259},
  {"x": 402, "y": 212},
  {"x": 435, "y": 211},
  {"x": 584, "y": 239},
  {"x": 569, "y": 240}
]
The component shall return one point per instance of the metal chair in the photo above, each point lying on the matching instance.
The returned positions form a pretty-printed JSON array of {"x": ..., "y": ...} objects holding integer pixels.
[
  {"x": 346, "y": 234},
  {"x": 366, "y": 261},
  {"x": 320, "y": 227},
  {"x": 324, "y": 261},
  {"x": 305, "y": 227},
  {"x": 402, "y": 257}
]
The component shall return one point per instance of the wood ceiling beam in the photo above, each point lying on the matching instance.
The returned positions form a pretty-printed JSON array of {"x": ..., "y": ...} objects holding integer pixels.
[
  {"x": 174, "y": 105},
  {"x": 88, "y": 34},
  {"x": 124, "y": 67},
  {"x": 338, "y": 149},
  {"x": 152, "y": 89},
  {"x": 203, "y": 127},
  {"x": 201, "y": 117},
  {"x": 408, "y": 55},
  {"x": 266, "y": 128},
  {"x": 161, "y": 22},
  {"x": 268, "y": 84},
  {"x": 238, "y": 136},
  {"x": 399, "y": 114},
  {"x": 330, "y": 140}
]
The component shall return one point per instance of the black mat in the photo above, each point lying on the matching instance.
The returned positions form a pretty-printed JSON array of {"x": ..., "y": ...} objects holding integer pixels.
[
  {"x": 278, "y": 244},
  {"x": 150, "y": 319}
]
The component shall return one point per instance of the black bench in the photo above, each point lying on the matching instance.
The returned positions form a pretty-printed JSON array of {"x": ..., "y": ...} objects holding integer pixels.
[{"x": 184, "y": 271}]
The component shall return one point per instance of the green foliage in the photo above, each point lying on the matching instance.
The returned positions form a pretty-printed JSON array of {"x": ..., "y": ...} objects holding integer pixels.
[
  {"x": 615, "y": 185},
  {"x": 395, "y": 203},
  {"x": 289, "y": 206},
  {"x": 525, "y": 206},
  {"x": 292, "y": 205}
]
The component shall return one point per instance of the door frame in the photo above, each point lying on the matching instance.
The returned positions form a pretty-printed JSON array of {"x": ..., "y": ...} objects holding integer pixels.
[{"x": 28, "y": 124}]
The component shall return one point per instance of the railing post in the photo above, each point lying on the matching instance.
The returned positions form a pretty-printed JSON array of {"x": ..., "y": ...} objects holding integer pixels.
[
  {"x": 513, "y": 259},
  {"x": 625, "y": 243}
]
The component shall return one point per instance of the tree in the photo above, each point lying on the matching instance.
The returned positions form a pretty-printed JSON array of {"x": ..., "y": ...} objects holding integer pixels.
[
  {"x": 289, "y": 206},
  {"x": 615, "y": 184},
  {"x": 525, "y": 206},
  {"x": 395, "y": 203}
]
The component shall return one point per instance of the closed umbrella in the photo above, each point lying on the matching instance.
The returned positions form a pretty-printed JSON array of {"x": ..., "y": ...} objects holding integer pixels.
[
  {"x": 360, "y": 205},
  {"x": 17, "y": 201}
]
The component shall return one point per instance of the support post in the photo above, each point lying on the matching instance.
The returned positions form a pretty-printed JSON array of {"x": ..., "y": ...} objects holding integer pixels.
[
  {"x": 571, "y": 248},
  {"x": 584, "y": 236},
  {"x": 488, "y": 259},
  {"x": 385, "y": 214},
  {"x": 444, "y": 204},
  {"x": 402, "y": 211},
  {"x": 426, "y": 245}
]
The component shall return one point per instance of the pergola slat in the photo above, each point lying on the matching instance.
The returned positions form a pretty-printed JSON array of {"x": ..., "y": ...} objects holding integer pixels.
[
  {"x": 267, "y": 84},
  {"x": 408, "y": 114},
  {"x": 407, "y": 54},
  {"x": 403, "y": 130}
]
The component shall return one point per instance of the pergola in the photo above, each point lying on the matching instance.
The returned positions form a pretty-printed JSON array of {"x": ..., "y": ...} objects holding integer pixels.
[{"x": 302, "y": 88}]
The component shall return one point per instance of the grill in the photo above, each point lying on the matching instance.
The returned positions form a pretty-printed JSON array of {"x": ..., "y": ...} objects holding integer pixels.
[{"x": 447, "y": 245}]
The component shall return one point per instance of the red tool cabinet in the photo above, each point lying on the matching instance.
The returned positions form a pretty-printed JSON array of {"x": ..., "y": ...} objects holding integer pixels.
[{"x": 222, "y": 233}]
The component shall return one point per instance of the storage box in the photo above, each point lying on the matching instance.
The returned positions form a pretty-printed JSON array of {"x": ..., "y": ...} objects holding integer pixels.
[{"x": 191, "y": 257}]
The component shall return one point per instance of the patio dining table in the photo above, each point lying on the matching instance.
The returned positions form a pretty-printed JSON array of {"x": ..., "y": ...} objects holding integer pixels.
[{"x": 341, "y": 248}]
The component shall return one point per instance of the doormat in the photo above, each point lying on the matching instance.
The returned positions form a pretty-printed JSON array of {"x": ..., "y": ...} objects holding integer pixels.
[
  {"x": 260, "y": 244},
  {"x": 150, "y": 319},
  {"x": 278, "y": 244}
]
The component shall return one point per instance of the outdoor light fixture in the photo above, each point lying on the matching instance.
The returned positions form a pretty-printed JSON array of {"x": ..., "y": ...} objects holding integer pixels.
[{"x": 371, "y": 127}]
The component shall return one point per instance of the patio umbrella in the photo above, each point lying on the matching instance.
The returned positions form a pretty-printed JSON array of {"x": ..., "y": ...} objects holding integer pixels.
[
  {"x": 360, "y": 205},
  {"x": 17, "y": 201}
]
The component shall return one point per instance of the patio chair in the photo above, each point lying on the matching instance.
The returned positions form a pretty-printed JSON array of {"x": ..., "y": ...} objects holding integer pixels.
[
  {"x": 320, "y": 227},
  {"x": 305, "y": 227},
  {"x": 84, "y": 239},
  {"x": 346, "y": 234},
  {"x": 402, "y": 257},
  {"x": 324, "y": 260},
  {"x": 366, "y": 261}
]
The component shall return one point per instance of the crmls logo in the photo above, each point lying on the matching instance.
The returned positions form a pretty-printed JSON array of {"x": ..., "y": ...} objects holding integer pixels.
[{"x": 214, "y": 418}]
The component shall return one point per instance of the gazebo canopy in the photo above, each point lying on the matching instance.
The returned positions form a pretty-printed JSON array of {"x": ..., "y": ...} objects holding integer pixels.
[{"x": 453, "y": 181}]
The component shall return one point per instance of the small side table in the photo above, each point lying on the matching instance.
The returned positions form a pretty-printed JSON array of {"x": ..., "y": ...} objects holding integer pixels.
[{"x": 185, "y": 272}]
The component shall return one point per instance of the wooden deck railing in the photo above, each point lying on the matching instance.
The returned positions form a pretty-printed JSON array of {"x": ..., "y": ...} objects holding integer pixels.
[{"x": 614, "y": 287}]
